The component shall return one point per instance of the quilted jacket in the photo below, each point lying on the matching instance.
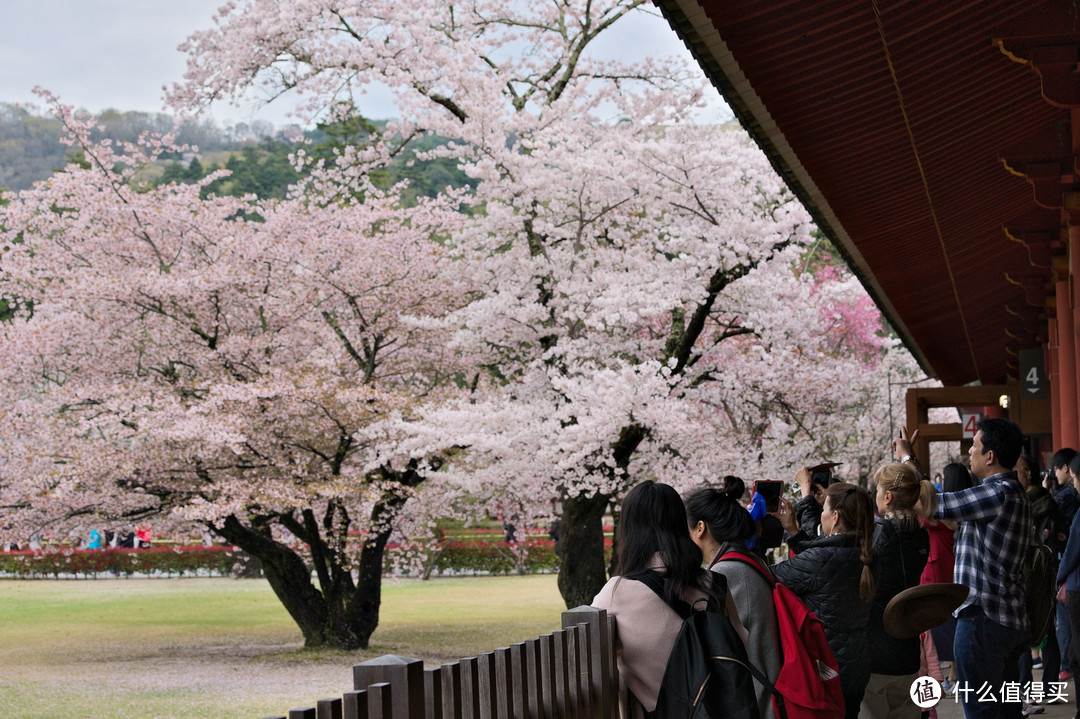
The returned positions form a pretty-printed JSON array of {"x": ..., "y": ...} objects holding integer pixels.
[{"x": 825, "y": 573}]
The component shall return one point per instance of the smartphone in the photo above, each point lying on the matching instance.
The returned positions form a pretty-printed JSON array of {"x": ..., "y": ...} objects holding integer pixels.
[
  {"x": 771, "y": 490},
  {"x": 823, "y": 478},
  {"x": 822, "y": 475}
]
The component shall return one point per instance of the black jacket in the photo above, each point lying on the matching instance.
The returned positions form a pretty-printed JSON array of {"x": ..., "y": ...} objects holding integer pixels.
[
  {"x": 825, "y": 573},
  {"x": 808, "y": 515},
  {"x": 901, "y": 557}
]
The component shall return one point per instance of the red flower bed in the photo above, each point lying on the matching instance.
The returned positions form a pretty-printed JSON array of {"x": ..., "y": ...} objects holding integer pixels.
[{"x": 471, "y": 556}]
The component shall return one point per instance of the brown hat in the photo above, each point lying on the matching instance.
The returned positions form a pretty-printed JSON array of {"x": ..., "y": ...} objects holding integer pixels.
[{"x": 915, "y": 610}]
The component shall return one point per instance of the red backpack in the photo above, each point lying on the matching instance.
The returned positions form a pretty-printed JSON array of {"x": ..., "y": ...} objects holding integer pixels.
[{"x": 809, "y": 681}]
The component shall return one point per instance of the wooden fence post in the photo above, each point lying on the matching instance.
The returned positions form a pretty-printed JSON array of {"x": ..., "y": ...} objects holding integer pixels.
[
  {"x": 433, "y": 694},
  {"x": 380, "y": 702},
  {"x": 328, "y": 709},
  {"x": 487, "y": 702},
  {"x": 519, "y": 682},
  {"x": 549, "y": 700},
  {"x": 453, "y": 691},
  {"x": 504, "y": 687},
  {"x": 598, "y": 659},
  {"x": 470, "y": 687},
  {"x": 354, "y": 705},
  {"x": 568, "y": 674},
  {"x": 405, "y": 677},
  {"x": 533, "y": 680}
]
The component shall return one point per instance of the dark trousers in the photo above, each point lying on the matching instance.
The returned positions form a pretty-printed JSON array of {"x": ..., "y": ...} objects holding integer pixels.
[
  {"x": 852, "y": 703},
  {"x": 1051, "y": 659},
  {"x": 1072, "y": 608},
  {"x": 987, "y": 654},
  {"x": 1063, "y": 633}
]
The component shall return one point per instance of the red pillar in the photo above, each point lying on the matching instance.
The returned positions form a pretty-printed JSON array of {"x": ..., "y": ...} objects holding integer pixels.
[
  {"x": 1050, "y": 354},
  {"x": 1066, "y": 365}
]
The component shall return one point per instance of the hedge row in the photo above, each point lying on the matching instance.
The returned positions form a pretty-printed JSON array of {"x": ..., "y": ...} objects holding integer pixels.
[
  {"x": 448, "y": 558},
  {"x": 495, "y": 557},
  {"x": 88, "y": 562}
]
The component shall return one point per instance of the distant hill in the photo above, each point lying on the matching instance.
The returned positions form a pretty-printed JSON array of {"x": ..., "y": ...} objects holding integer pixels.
[
  {"x": 30, "y": 148},
  {"x": 257, "y": 154}
]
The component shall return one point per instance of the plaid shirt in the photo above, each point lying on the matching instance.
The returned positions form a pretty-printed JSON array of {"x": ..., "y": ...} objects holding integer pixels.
[{"x": 991, "y": 541}]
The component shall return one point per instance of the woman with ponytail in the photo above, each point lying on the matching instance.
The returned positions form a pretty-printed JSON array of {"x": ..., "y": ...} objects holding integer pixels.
[
  {"x": 902, "y": 546},
  {"x": 720, "y": 526},
  {"x": 834, "y": 576}
]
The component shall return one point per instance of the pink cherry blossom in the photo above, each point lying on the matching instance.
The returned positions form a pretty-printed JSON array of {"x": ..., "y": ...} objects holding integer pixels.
[{"x": 622, "y": 297}]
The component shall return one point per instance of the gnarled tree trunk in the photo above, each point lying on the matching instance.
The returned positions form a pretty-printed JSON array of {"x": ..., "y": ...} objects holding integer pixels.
[
  {"x": 581, "y": 531},
  {"x": 342, "y": 608},
  {"x": 580, "y": 548},
  {"x": 289, "y": 577}
]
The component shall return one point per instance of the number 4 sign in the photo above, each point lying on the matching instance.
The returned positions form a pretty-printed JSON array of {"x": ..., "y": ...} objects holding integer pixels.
[
  {"x": 1032, "y": 374},
  {"x": 967, "y": 423}
]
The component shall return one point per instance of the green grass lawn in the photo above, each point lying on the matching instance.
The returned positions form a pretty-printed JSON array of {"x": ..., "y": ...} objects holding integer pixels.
[{"x": 226, "y": 648}]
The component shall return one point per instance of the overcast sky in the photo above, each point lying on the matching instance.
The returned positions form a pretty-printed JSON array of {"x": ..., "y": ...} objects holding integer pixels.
[{"x": 97, "y": 54}]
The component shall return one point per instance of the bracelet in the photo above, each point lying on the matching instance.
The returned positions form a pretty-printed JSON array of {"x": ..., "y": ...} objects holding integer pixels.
[{"x": 908, "y": 458}]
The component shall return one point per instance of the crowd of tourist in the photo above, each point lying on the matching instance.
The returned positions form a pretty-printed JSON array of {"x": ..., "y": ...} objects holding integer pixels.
[
  {"x": 138, "y": 537},
  {"x": 851, "y": 551}
]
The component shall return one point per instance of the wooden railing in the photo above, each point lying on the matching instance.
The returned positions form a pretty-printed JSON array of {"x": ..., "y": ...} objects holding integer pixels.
[{"x": 568, "y": 674}]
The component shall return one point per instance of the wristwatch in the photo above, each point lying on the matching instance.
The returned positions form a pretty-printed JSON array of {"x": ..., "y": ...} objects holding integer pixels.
[{"x": 907, "y": 458}]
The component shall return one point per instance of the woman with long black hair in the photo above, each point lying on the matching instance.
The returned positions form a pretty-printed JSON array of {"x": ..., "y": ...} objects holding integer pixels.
[{"x": 653, "y": 534}]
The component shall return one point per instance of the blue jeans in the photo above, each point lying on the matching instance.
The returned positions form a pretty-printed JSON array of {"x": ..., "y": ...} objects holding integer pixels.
[
  {"x": 1063, "y": 638},
  {"x": 987, "y": 654}
]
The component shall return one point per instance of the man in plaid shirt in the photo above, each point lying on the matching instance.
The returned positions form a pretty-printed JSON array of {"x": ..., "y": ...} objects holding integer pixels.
[{"x": 991, "y": 542}]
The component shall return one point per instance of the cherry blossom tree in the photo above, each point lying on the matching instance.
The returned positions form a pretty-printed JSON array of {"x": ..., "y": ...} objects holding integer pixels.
[
  {"x": 228, "y": 362},
  {"x": 626, "y": 296},
  {"x": 641, "y": 306}
]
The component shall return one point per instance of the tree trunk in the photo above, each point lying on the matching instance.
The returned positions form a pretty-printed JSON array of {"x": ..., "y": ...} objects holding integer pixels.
[
  {"x": 289, "y": 577},
  {"x": 338, "y": 611},
  {"x": 361, "y": 616},
  {"x": 580, "y": 548},
  {"x": 343, "y": 614}
]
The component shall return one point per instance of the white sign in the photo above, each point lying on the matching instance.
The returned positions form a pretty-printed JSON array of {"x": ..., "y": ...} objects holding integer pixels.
[{"x": 967, "y": 425}]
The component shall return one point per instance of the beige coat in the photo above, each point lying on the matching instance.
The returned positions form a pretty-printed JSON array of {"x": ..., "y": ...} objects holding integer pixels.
[{"x": 646, "y": 628}]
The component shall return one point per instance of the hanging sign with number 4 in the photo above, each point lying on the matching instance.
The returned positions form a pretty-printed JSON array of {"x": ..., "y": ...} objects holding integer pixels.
[
  {"x": 967, "y": 422},
  {"x": 1032, "y": 374}
]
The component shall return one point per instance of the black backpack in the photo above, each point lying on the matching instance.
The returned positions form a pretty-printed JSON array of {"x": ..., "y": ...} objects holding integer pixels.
[
  {"x": 708, "y": 675},
  {"x": 1040, "y": 576},
  {"x": 1051, "y": 524}
]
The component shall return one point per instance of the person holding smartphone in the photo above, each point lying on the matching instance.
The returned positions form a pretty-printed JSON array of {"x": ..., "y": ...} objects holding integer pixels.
[
  {"x": 808, "y": 508},
  {"x": 994, "y": 532},
  {"x": 834, "y": 576},
  {"x": 902, "y": 546}
]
